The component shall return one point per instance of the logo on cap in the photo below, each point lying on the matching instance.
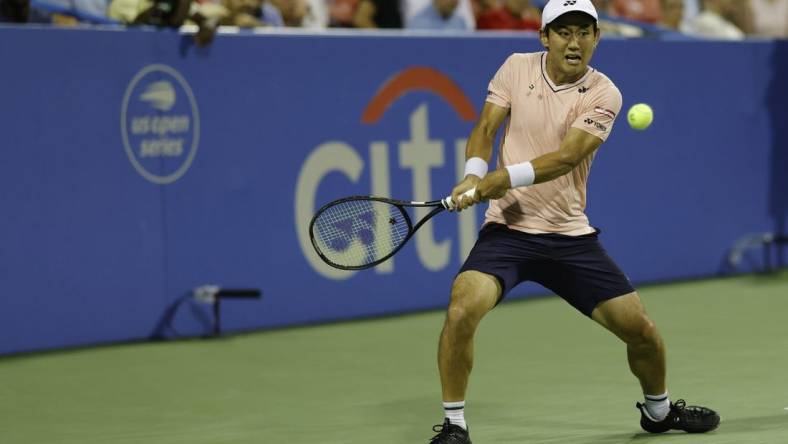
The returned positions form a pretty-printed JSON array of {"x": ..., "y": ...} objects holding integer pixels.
[{"x": 570, "y": 2}]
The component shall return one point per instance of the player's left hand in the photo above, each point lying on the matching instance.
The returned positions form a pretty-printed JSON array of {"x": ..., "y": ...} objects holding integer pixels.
[{"x": 494, "y": 185}]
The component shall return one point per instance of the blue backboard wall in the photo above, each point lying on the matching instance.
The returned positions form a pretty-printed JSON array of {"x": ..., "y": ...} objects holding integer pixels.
[{"x": 136, "y": 167}]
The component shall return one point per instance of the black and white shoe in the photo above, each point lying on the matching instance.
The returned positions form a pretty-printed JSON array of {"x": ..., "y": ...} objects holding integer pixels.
[
  {"x": 449, "y": 433},
  {"x": 689, "y": 418}
]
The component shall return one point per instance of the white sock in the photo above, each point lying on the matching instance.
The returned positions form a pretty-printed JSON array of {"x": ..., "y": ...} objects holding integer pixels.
[
  {"x": 657, "y": 406},
  {"x": 455, "y": 411}
]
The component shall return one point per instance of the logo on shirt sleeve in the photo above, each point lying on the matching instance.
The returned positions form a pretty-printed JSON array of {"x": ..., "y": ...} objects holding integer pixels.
[{"x": 596, "y": 125}]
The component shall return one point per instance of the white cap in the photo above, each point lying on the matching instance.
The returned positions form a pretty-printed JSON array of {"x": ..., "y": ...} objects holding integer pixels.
[{"x": 556, "y": 8}]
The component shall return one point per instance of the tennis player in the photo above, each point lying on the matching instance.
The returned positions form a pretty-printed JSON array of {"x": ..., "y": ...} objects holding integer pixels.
[{"x": 560, "y": 111}]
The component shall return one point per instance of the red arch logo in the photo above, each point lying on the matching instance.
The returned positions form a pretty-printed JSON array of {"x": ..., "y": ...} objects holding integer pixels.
[{"x": 418, "y": 78}]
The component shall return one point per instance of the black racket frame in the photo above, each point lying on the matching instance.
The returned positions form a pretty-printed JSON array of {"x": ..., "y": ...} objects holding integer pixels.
[{"x": 439, "y": 205}]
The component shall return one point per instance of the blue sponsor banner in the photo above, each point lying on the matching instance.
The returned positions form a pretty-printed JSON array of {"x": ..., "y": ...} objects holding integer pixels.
[{"x": 150, "y": 167}]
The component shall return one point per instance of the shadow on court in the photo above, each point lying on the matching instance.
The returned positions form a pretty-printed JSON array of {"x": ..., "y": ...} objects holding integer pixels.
[
  {"x": 756, "y": 424},
  {"x": 729, "y": 431}
]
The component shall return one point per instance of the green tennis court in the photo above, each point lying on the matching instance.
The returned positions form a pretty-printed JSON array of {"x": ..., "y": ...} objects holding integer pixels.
[{"x": 543, "y": 374}]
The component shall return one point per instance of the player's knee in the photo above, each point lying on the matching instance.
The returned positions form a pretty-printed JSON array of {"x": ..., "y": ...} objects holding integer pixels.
[
  {"x": 473, "y": 287},
  {"x": 470, "y": 300},
  {"x": 463, "y": 311},
  {"x": 458, "y": 316},
  {"x": 462, "y": 320},
  {"x": 642, "y": 332}
]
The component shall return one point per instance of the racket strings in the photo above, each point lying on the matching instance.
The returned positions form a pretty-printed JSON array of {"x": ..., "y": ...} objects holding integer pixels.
[{"x": 356, "y": 233}]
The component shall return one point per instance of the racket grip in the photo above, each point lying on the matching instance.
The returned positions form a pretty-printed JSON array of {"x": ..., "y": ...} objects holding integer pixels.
[{"x": 449, "y": 204}]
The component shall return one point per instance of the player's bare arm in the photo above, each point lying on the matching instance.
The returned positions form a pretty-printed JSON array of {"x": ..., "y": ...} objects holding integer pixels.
[
  {"x": 480, "y": 144},
  {"x": 576, "y": 146}
]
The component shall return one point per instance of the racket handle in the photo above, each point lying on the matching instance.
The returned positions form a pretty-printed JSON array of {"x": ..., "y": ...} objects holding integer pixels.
[{"x": 449, "y": 204}]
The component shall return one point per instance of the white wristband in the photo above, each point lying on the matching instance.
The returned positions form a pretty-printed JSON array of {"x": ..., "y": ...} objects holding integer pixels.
[
  {"x": 521, "y": 174},
  {"x": 476, "y": 166}
]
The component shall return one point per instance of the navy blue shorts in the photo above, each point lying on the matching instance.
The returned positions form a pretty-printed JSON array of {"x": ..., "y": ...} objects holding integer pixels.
[{"x": 576, "y": 268}]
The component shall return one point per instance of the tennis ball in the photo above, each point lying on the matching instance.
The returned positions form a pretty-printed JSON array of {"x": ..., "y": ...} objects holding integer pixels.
[{"x": 640, "y": 116}]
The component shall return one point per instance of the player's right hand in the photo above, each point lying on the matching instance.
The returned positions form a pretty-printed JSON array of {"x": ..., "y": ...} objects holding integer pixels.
[{"x": 462, "y": 202}]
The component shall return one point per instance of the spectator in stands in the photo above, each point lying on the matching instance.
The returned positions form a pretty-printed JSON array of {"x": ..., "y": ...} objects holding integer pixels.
[
  {"x": 14, "y": 11},
  {"x": 170, "y": 14},
  {"x": 647, "y": 11},
  {"x": 480, "y": 7},
  {"x": 341, "y": 12},
  {"x": 439, "y": 15},
  {"x": 91, "y": 9},
  {"x": 411, "y": 8},
  {"x": 513, "y": 14},
  {"x": 713, "y": 21},
  {"x": 741, "y": 15},
  {"x": 55, "y": 12},
  {"x": 377, "y": 14},
  {"x": 125, "y": 11},
  {"x": 292, "y": 11},
  {"x": 605, "y": 8},
  {"x": 251, "y": 14},
  {"x": 316, "y": 15},
  {"x": 691, "y": 10},
  {"x": 672, "y": 14},
  {"x": 770, "y": 18},
  {"x": 241, "y": 13}
]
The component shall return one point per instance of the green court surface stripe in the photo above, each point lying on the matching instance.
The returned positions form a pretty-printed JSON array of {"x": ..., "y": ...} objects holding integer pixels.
[{"x": 543, "y": 374}]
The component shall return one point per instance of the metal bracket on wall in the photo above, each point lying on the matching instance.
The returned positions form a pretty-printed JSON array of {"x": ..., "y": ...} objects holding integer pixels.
[
  {"x": 772, "y": 253},
  {"x": 213, "y": 294}
]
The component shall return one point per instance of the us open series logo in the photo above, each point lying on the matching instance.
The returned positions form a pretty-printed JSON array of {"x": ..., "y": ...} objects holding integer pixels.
[{"x": 160, "y": 124}]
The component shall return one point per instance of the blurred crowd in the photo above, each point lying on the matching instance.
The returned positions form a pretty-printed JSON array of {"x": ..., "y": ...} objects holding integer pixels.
[{"x": 720, "y": 19}]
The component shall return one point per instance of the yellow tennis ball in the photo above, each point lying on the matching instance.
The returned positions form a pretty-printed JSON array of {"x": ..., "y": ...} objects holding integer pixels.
[{"x": 640, "y": 116}]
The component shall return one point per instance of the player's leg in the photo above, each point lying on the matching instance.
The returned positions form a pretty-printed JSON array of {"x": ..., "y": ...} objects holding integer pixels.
[
  {"x": 473, "y": 295},
  {"x": 491, "y": 269},
  {"x": 586, "y": 277},
  {"x": 625, "y": 317},
  {"x": 582, "y": 273}
]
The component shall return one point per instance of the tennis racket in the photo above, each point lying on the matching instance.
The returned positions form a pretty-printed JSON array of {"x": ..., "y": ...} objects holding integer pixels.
[{"x": 360, "y": 232}]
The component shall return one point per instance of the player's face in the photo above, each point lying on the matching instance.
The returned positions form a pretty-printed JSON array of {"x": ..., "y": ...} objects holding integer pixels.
[{"x": 570, "y": 44}]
